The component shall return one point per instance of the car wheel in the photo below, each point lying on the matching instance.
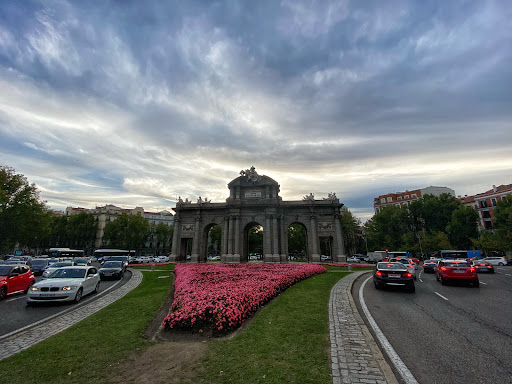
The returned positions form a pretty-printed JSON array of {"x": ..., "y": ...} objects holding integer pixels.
[
  {"x": 3, "y": 292},
  {"x": 501, "y": 264},
  {"x": 78, "y": 296},
  {"x": 476, "y": 284},
  {"x": 26, "y": 290},
  {"x": 97, "y": 289},
  {"x": 443, "y": 281},
  {"x": 412, "y": 289},
  {"x": 377, "y": 286}
]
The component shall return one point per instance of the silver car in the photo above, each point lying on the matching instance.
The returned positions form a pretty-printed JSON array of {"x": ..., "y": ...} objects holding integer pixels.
[{"x": 65, "y": 284}]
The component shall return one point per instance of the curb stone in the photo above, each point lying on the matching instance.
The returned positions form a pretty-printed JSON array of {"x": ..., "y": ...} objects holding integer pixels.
[
  {"x": 33, "y": 335},
  {"x": 355, "y": 356}
]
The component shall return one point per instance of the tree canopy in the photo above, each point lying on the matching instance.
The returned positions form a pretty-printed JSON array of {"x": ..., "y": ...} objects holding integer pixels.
[{"x": 127, "y": 232}]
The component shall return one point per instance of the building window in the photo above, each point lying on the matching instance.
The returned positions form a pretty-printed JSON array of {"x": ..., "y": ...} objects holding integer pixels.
[
  {"x": 406, "y": 196},
  {"x": 493, "y": 202},
  {"x": 399, "y": 198},
  {"x": 390, "y": 199},
  {"x": 383, "y": 200},
  {"x": 483, "y": 204},
  {"x": 414, "y": 196}
]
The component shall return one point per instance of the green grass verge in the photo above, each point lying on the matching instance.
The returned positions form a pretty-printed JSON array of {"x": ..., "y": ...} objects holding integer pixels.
[
  {"x": 338, "y": 268},
  {"x": 164, "y": 267},
  {"x": 89, "y": 351},
  {"x": 287, "y": 342}
]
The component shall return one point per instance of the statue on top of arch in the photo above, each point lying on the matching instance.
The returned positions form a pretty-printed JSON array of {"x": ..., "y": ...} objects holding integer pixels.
[
  {"x": 251, "y": 174},
  {"x": 331, "y": 196}
]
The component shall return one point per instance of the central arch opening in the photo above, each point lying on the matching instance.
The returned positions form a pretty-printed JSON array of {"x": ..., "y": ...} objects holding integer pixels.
[
  {"x": 213, "y": 243},
  {"x": 253, "y": 243},
  {"x": 297, "y": 242}
]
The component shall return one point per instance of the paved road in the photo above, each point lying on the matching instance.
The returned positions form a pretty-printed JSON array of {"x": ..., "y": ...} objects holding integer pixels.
[
  {"x": 449, "y": 334},
  {"x": 16, "y": 314}
]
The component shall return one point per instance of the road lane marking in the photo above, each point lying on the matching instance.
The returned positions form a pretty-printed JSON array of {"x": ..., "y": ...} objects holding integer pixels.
[
  {"x": 508, "y": 274},
  {"x": 14, "y": 299},
  {"x": 438, "y": 294},
  {"x": 483, "y": 283},
  {"x": 393, "y": 356}
]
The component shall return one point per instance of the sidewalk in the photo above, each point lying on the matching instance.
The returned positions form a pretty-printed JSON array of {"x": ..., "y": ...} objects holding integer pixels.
[
  {"x": 21, "y": 340},
  {"x": 355, "y": 357}
]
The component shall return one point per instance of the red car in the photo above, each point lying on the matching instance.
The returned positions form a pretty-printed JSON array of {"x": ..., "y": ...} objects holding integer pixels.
[
  {"x": 456, "y": 270},
  {"x": 15, "y": 278}
]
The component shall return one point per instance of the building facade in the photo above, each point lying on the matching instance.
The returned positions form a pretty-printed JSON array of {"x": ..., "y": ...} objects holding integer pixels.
[
  {"x": 405, "y": 198},
  {"x": 155, "y": 218},
  {"x": 484, "y": 203}
]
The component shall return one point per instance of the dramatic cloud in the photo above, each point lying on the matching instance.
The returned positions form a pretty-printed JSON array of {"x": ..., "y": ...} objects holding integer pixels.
[{"x": 136, "y": 103}]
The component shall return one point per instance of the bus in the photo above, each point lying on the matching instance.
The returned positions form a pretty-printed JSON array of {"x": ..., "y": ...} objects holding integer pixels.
[
  {"x": 65, "y": 252},
  {"x": 451, "y": 254},
  {"x": 113, "y": 252},
  {"x": 405, "y": 254}
]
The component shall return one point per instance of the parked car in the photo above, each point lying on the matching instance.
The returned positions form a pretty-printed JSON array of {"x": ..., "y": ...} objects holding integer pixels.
[
  {"x": 360, "y": 256},
  {"x": 112, "y": 269},
  {"x": 65, "y": 284},
  {"x": 48, "y": 271},
  {"x": 409, "y": 264},
  {"x": 393, "y": 274},
  {"x": 429, "y": 266},
  {"x": 161, "y": 259},
  {"x": 456, "y": 270},
  {"x": 494, "y": 260},
  {"x": 483, "y": 266},
  {"x": 15, "y": 278},
  {"x": 38, "y": 266},
  {"x": 353, "y": 260},
  {"x": 143, "y": 260}
]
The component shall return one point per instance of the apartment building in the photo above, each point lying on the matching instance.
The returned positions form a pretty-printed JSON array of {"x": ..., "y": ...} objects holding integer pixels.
[
  {"x": 485, "y": 202},
  {"x": 154, "y": 219},
  {"x": 405, "y": 198}
]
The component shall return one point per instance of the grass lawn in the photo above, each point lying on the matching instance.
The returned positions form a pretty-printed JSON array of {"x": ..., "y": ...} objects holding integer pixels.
[
  {"x": 161, "y": 267},
  {"x": 287, "y": 342},
  {"x": 86, "y": 352}
]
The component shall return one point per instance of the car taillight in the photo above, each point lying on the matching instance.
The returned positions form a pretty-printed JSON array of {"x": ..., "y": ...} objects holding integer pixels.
[
  {"x": 443, "y": 268},
  {"x": 472, "y": 269},
  {"x": 408, "y": 274},
  {"x": 379, "y": 273}
]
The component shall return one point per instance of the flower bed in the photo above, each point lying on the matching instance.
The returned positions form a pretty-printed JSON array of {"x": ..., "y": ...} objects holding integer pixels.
[{"x": 220, "y": 297}]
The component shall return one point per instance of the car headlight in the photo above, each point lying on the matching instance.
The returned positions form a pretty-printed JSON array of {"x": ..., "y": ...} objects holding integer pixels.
[
  {"x": 34, "y": 288},
  {"x": 68, "y": 288}
]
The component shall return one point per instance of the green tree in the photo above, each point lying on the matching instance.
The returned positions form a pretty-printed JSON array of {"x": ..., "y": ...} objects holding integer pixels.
[
  {"x": 463, "y": 227},
  {"x": 503, "y": 223},
  {"x": 214, "y": 237},
  {"x": 24, "y": 218},
  {"x": 81, "y": 230},
  {"x": 58, "y": 232},
  {"x": 385, "y": 229},
  {"x": 488, "y": 242},
  {"x": 255, "y": 239},
  {"x": 433, "y": 213},
  {"x": 127, "y": 231},
  {"x": 350, "y": 226},
  {"x": 163, "y": 235}
]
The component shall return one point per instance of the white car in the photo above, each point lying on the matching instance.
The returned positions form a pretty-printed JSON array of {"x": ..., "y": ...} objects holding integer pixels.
[
  {"x": 65, "y": 284},
  {"x": 161, "y": 259},
  {"x": 144, "y": 260},
  {"x": 409, "y": 264},
  {"x": 53, "y": 267},
  {"x": 496, "y": 260},
  {"x": 353, "y": 260}
]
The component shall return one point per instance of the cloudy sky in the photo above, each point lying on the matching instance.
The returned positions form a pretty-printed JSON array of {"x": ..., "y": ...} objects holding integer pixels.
[{"x": 137, "y": 102}]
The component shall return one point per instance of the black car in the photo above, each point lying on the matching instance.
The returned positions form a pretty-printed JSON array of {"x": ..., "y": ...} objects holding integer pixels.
[
  {"x": 38, "y": 266},
  {"x": 112, "y": 270},
  {"x": 482, "y": 266},
  {"x": 393, "y": 274},
  {"x": 429, "y": 266}
]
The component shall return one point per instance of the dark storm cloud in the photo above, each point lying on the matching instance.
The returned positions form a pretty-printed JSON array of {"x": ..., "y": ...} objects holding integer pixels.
[{"x": 168, "y": 98}]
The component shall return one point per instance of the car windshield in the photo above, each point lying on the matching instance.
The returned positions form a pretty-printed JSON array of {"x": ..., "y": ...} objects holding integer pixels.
[
  {"x": 390, "y": 266},
  {"x": 61, "y": 264},
  {"x": 68, "y": 273},
  {"x": 5, "y": 270},
  {"x": 456, "y": 265},
  {"x": 80, "y": 260},
  {"x": 112, "y": 264}
]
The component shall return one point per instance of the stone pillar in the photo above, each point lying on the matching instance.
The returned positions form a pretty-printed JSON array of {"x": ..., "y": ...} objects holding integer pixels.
[
  {"x": 194, "y": 258},
  {"x": 283, "y": 241},
  {"x": 229, "y": 256},
  {"x": 315, "y": 256},
  {"x": 176, "y": 239},
  {"x": 225, "y": 235},
  {"x": 339, "y": 253},
  {"x": 267, "y": 240},
  {"x": 236, "y": 255},
  {"x": 275, "y": 240}
]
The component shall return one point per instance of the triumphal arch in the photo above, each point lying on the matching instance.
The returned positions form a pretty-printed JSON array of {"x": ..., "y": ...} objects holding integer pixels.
[{"x": 254, "y": 200}]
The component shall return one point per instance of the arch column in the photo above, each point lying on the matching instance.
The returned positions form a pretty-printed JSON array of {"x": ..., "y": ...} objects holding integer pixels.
[
  {"x": 267, "y": 240},
  {"x": 173, "y": 257},
  {"x": 225, "y": 240},
  {"x": 194, "y": 258},
  {"x": 275, "y": 240},
  {"x": 339, "y": 253},
  {"x": 283, "y": 240},
  {"x": 229, "y": 255},
  {"x": 236, "y": 255},
  {"x": 315, "y": 256}
]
